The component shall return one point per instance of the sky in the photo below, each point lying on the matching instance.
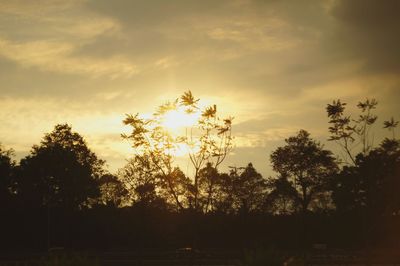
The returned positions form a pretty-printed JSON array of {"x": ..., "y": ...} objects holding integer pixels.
[{"x": 273, "y": 65}]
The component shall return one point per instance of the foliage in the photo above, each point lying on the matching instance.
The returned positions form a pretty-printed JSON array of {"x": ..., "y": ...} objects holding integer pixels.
[
  {"x": 147, "y": 185},
  {"x": 349, "y": 133},
  {"x": 206, "y": 140},
  {"x": 6, "y": 169},
  {"x": 306, "y": 166},
  {"x": 61, "y": 171},
  {"x": 208, "y": 182},
  {"x": 58, "y": 173},
  {"x": 366, "y": 184},
  {"x": 372, "y": 183},
  {"x": 391, "y": 125},
  {"x": 240, "y": 191},
  {"x": 112, "y": 191},
  {"x": 282, "y": 196},
  {"x": 62, "y": 135},
  {"x": 248, "y": 189},
  {"x": 223, "y": 198}
]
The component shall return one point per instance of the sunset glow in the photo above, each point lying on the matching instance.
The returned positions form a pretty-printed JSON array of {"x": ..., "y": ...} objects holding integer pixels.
[
  {"x": 270, "y": 64},
  {"x": 178, "y": 120},
  {"x": 212, "y": 132}
]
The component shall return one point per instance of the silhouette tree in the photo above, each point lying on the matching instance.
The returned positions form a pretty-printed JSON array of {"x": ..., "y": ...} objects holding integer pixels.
[
  {"x": 282, "y": 196},
  {"x": 182, "y": 186},
  {"x": 61, "y": 171},
  {"x": 349, "y": 133},
  {"x": 371, "y": 185},
  {"x": 139, "y": 178},
  {"x": 205, "y": 139},
  {"x": 6, "y": 169},
  {"x": 249, "y": 189},
  {"x": 112, "y": 191},
  {"x": 364, "y": 122},
  {"x": 307, "y": 167},
  {"x": 208, "y": 179},
  {"x": 391, "y": 126},
  {"x": 244, "y": 189},
  {"x": 63, "y": 136},
  {"x": 223, "y": 198},
  {"x": 148, "y": 186},
  {"x": 217, "y": 190}
]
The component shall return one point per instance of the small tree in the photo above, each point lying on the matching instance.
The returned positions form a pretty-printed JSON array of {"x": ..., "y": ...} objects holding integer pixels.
[
  {"x": 349, "y": 133},
  {"x": 306, "y": 165},
  {"x": 181, "y": 126},
  {"x": 391, "y": 126}
]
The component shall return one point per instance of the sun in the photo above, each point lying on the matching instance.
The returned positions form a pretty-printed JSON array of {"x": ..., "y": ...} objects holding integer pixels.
[
  {"x": 178, "y": 119},
  {"x": 180, "y": 123}
]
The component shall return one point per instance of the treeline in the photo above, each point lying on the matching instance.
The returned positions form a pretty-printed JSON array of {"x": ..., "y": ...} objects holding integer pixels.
[{"x": 61, "y": 194}]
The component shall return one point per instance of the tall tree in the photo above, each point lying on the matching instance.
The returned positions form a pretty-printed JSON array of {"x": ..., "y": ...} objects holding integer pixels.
[
  {"x": 176, "y": 126},
  {"x": 240, "y": 191},
  {"x": 61, "y": 171},
  {"x": 208, "y": 179},
  {"x": 306, "y": 165},
  {"x": 248, "y": 188},
  {"x": 64, "y": 136}
]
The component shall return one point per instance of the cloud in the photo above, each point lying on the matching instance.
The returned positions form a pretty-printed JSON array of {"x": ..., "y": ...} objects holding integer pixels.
[
  {"x": 274, "y": 65},
  {"x": 37, "y": 7},
  {"x": 368, "y": 31},
  {"x": 54, "y": 57},
  {"x": 46, "y": 34}
]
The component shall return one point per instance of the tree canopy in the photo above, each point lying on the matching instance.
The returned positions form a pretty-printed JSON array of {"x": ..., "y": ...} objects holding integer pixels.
[
  {"x": 306, "y": 165},
  {"x": 181, "y": 126},
  {"x": 61, "y": 171},
  {"x": 7, "y": 165},
  {"x": 372, "y": 183}
]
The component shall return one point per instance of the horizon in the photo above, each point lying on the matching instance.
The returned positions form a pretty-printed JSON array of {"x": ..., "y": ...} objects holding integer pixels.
[{"x": 274, "y": 66}]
